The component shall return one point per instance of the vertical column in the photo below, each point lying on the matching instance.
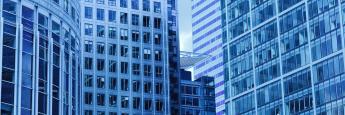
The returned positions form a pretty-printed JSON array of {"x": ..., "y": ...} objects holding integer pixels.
[
  {"x": 253, "y": 56},
  {"x": 310, "y": 57},
  {"x": 1, "y": 45},
  {"x": 280, "y": 57}
]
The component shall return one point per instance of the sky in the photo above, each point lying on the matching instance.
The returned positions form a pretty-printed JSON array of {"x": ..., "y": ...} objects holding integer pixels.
[{"x": 185, "y": 25}]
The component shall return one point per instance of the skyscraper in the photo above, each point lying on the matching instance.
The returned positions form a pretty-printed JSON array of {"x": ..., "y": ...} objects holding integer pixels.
[
  {"x": 40, "y": 57},
  {"x": 126, "y": 48},
  {"x": 284, "y": 57},
  {"x": 207, "y": 34}
]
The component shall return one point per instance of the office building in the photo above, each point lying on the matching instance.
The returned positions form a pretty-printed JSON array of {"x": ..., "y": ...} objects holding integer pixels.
[
  {"x": 284, "y": 57},
  {"x": 40, "y": 57},
  {"x": 126, "y": 48},
  {"x": 197, "y": 97},
  {"x": 207, "y": 34}
]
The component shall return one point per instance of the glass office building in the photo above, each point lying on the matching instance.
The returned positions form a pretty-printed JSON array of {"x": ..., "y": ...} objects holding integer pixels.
[
  {"x": 197, "y": 96},
  {"x": 284, "y": 57},
  {"x": 207, "y": 34},
  {"x": 126, "y": 48},
  {"x": 40, "y": 57}
]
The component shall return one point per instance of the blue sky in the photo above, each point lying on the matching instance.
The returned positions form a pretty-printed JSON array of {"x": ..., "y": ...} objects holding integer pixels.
[{"x": 185, "y": 25}]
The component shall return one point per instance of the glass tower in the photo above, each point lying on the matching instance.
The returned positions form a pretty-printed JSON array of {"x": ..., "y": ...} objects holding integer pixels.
[
  {"x": 207, "y": 34},
  {"x": 40, "y": 57},
  {"x": 284, "y": 57},
  {"x": 126, "y": 48}
]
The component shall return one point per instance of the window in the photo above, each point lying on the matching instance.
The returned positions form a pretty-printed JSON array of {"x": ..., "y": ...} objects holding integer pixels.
[
  {"x": 88, "y": 112},
  {"x": 123, "y": 18},
  {"x": 112, "y": 100},
  {"x": 112, "y": 49},
  {"x": 88, "y": 12},
  {"x": 266, "y": 53},
  {"x": 100, "y": 1},
  {"x": 88, "y": 46},
  {"x": 124, "y": 84},
  {"x": 88, "y": 80},
  {"x": 242, "y": 83},
  {"x": 100, "y": 113},
  {"x": 147, "y": 70},
  {"x": 246, "y": 103},
  {"x": 135, "y": 4},
  {"x": 112, "y": 33},
  {"x": 112, "y": 83},
  {"x": 136, "y": 102},
  {"x": 100, "y": 31},
  {"x": 123, "y": 34},
  {"x": 112, "y": 113},
  {"x": 158, "y": 39},
  {"x": 285, "y": 4},
  {"x": 135, "y": 36},
  {"x": 158, "y": 71},
  {"x": 158, "y": 55},
  {"x": 147, "y": 54},
  {"x": 100, "y": 99},
  {"x": 124, "y": 101},
  {"x": 88, "y": 29},
  {"x": 296, "y": 58},
  {"x": 157, "y": 7},
  {"x": 100, "y": 48},
  {"x": 263, "y": 12},
  {"x": 100, "y": 81},
  {"x": 124, "y": 67},
  {"x": 261, "y": 35},
  {"x": 147, "y": 87},
  {"x": 157, "y": 24},
  {"x": 146, "y": 21},
  {"x": 112, "y": 66},
  {"x": 267, "y": 71},
  {"x": 293, "y": 18},
  {"x": 159, "y": 88},
  {"x": 135, "y": 52},
  {"x": 326, "y": 45},
  {"x": 294, "y": 39},
  {"x": 148, "y": 104},
  {"x": 123, "y": 3},
  {"x": 136, "y": 69},
  {"x": 100, "y": 14},
  {"x": 136, "y": 85},
  {"x": 146, "y": 37},
  {"x": 135, "y": 19},
  {"x": 159, "y": 105},
  {"x": 124, "y": 51},
  {"x": 297, "y": 82},
  {"x": 328, "y": 69},
  {"x": 88, "y": 63},
  {"x": 112, "y": 16},
  {"x": 268, "y": 94},
  {"x": 146, "y": 5},
  {"x": 88, "y": 98},
  {"x": 112, "y": 2}
]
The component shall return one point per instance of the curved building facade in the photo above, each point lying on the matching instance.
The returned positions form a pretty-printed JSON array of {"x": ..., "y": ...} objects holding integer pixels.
[{"x": 39, "y": 48}]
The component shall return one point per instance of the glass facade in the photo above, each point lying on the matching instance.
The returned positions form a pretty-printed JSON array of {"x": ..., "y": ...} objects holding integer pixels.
[
  {"x": 125, "y": 56},
  {"x": 284, "y": 57},
  {"x": 196, "y": 97},
  {"x": 40, "y": 52}
]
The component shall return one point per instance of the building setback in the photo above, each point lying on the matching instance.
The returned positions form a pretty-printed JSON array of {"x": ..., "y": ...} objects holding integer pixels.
[
  {"x": 129, "y": 51},
  {"x": 207, "y": 34},
  {"x": 284, "y": 57},
  {"x": 40, "y": 57}
]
